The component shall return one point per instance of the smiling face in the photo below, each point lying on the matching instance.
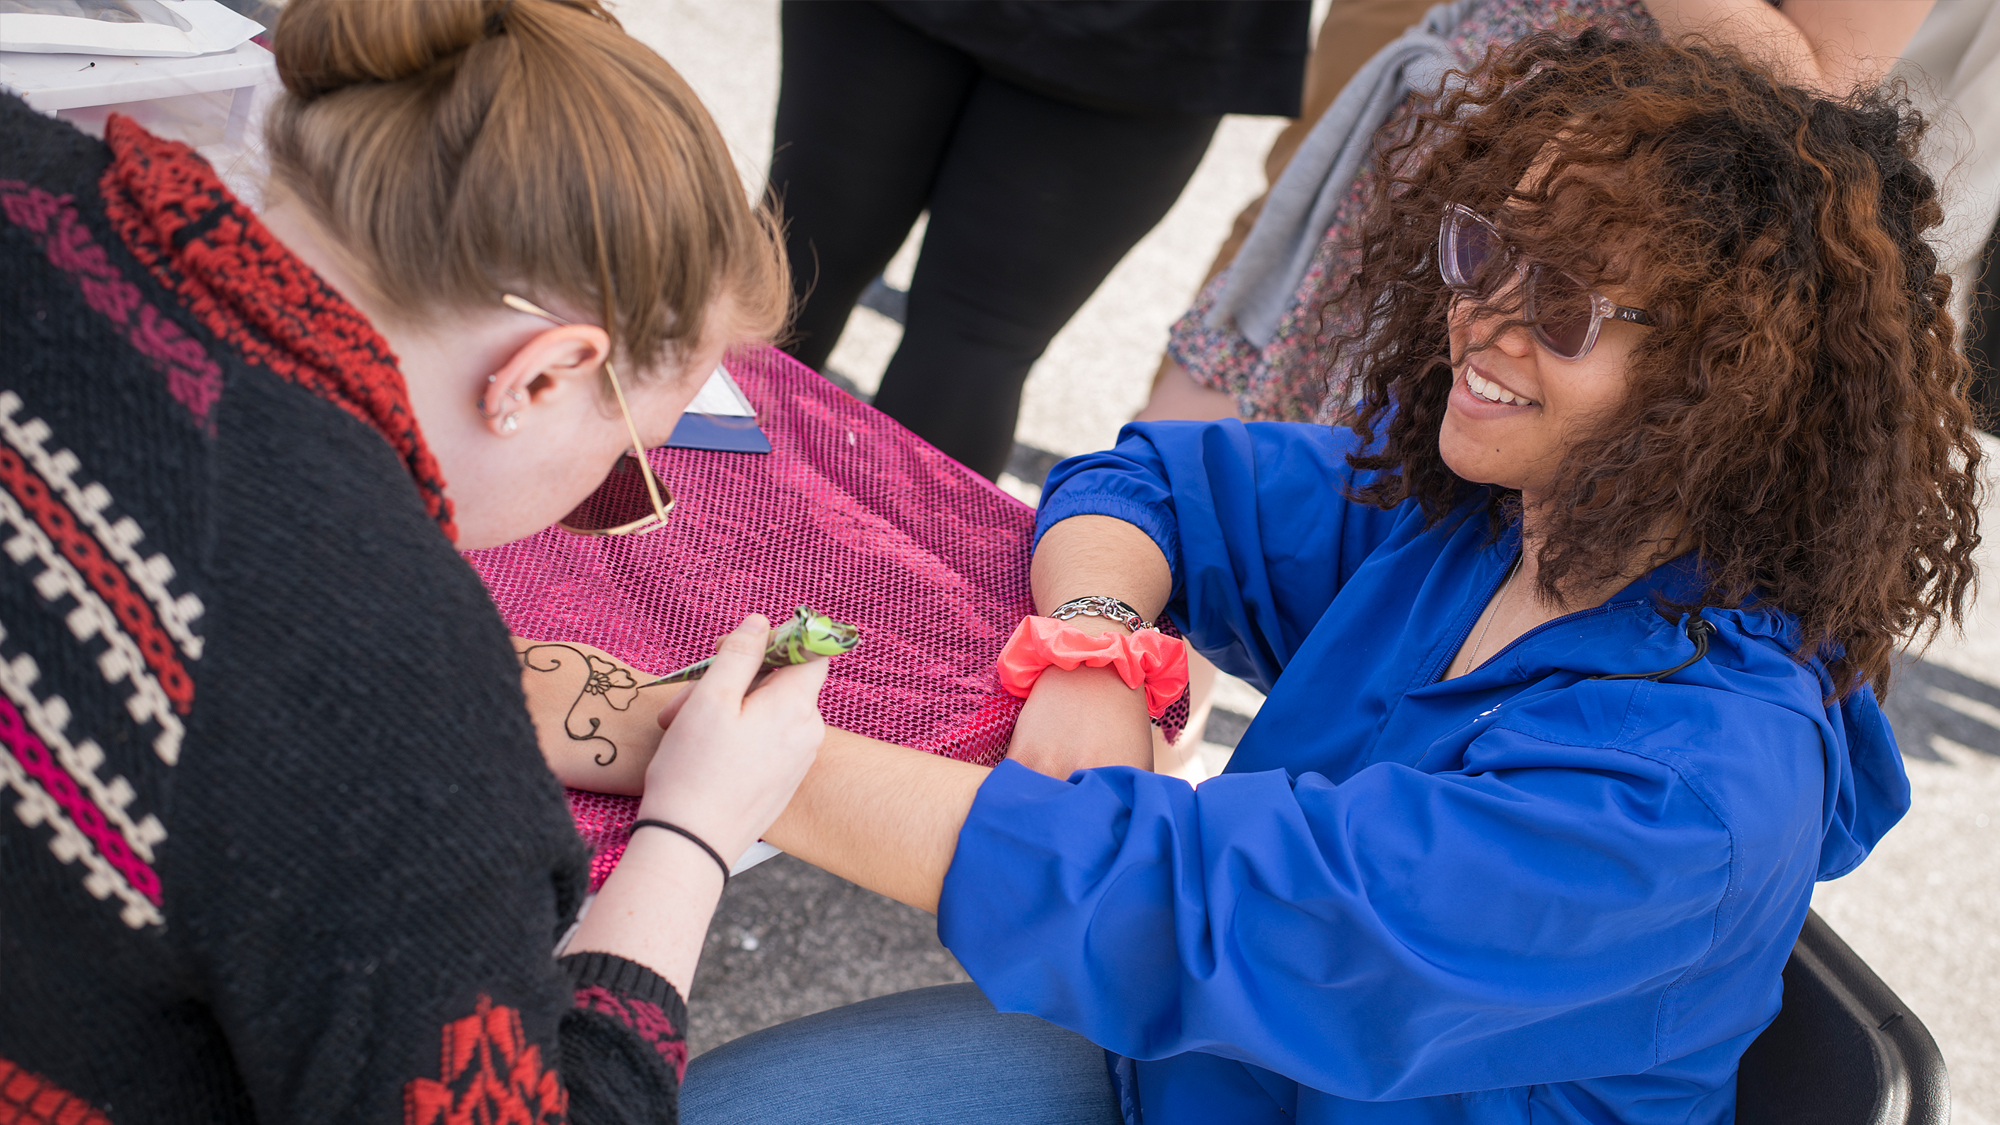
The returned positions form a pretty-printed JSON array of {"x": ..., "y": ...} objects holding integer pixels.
[{"x": 1515, "y": 406}]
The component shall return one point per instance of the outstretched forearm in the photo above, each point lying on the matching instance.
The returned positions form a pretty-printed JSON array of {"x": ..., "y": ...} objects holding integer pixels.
[{"x": 885, "y": 817}]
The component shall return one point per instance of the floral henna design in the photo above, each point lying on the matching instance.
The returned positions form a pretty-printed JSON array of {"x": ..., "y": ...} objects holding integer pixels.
[{"x": 603, "y": 678}]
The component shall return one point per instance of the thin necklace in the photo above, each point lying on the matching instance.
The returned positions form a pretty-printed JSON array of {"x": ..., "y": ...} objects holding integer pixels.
[{"x": 1472, "y": 661}]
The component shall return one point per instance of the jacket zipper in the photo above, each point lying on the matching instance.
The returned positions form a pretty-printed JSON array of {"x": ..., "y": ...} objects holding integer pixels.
[
  {"x": 1438, "y": 670},
  {"x": 1697, "y": 631}
]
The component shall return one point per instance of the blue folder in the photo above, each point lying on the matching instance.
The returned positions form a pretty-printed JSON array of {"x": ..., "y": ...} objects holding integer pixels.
[
  {"x": 721, "y": 419},
  {"x": 721, "y": 432}
]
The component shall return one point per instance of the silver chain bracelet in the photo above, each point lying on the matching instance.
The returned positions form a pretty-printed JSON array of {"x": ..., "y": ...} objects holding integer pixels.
[{"x": 1098, "y": 605}]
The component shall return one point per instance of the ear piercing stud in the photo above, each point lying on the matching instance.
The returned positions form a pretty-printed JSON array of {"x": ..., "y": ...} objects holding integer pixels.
[
  {"x": 514, "y": 394},
  {"x": 512, "y": 423}
]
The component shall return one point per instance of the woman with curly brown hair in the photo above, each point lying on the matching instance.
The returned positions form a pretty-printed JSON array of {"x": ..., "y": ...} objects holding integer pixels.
[{"x": 1573, "y": 645}]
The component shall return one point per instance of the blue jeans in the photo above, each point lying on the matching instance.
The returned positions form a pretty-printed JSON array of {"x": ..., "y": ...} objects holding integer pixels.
[{"x": 928, "y": 1055}]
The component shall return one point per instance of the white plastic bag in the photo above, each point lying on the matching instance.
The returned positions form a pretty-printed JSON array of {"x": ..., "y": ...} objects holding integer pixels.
[{"x": 153, "y": 28}]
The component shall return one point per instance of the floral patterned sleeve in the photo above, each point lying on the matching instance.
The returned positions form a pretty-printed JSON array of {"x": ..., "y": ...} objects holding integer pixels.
[{"x": 1289, "y": 379}]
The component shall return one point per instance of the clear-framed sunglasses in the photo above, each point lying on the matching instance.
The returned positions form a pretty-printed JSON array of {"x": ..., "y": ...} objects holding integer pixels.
[
  {"x": 632, "y": 500},
  {"x": 1565, "y": 313}
]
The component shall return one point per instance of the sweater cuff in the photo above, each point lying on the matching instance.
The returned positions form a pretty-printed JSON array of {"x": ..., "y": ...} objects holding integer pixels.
[
  {"x": 635, "y": 996},
  {"x": 628, "y": 979}
]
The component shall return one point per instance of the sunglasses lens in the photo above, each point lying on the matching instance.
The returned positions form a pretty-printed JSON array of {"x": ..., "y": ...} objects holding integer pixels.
[
  {"x": 620, "y": 502},
  {"x": 1560, "y": 308},
  {"x": 1470, "y": 252}
]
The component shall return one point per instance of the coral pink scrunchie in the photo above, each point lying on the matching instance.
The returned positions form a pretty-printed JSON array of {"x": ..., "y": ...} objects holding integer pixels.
[{"x": 1146, "y": 657}]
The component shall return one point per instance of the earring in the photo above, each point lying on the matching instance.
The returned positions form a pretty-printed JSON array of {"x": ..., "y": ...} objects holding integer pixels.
[
  {"x": 479, "y": 404},
  {"x": 512, "y": 423},
  {"x": 517, "y": 396}
]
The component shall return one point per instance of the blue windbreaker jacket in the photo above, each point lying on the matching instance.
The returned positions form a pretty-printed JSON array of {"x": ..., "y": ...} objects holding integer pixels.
[{"x": 1523, "y": 894}]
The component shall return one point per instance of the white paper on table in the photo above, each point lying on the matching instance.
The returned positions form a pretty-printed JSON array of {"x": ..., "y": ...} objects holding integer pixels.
[
  {"x": 754, "y": 855},
  {"x": 172, "y": 29},
  {"x": 721, "y": 397}
]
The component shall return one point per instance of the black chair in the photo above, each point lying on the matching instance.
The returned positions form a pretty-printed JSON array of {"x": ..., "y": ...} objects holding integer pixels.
[{"x": 1843, "y": 1050}]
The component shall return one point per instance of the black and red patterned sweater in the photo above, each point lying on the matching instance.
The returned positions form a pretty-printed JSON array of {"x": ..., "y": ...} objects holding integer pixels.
[{"x": 276, "y": 844}]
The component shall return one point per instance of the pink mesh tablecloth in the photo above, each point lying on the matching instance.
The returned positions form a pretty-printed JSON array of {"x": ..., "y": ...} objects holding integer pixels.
[{"x": 850, "y": 514}]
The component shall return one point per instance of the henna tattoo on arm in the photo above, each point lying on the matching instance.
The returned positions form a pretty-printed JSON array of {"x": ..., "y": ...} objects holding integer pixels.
[{"x": 604, "y": 678}]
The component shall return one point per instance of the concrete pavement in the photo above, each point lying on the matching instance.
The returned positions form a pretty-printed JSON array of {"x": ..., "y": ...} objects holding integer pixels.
[{"x": 1924, "y": 911}]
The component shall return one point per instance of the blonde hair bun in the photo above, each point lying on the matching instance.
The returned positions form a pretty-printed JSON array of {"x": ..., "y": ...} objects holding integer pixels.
[
  {"x": 323, "y": 47},
  {"x": 461, "y": 148}
]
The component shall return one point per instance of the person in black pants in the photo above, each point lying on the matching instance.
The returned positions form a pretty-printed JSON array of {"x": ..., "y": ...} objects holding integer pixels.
[{"x": 1045, "y": 140}]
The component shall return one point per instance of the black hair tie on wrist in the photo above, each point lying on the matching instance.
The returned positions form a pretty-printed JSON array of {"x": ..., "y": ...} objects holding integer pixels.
[{"x": 698, "y": 842}]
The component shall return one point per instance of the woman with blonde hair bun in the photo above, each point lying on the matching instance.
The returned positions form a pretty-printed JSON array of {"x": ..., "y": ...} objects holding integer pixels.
[{"x": 278, "y": 843}]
